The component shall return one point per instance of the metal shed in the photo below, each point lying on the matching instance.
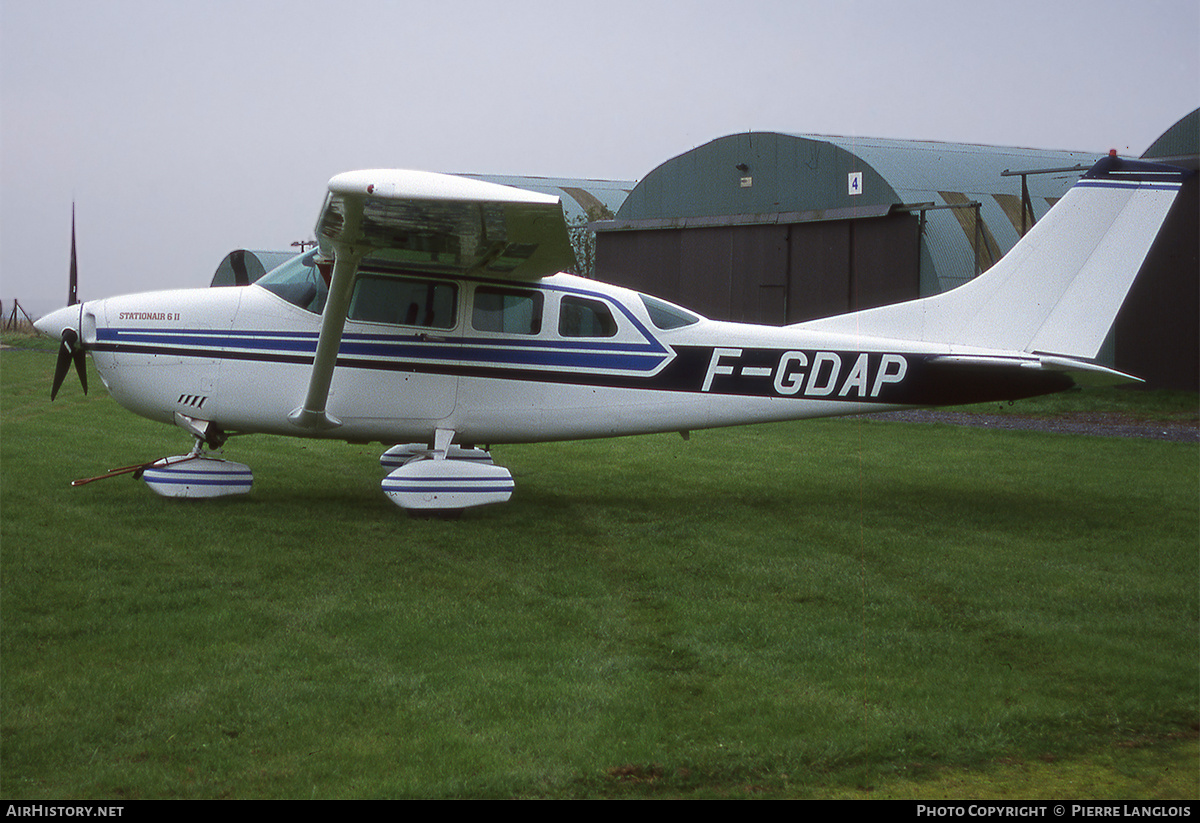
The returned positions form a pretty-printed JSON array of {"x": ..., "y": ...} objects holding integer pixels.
[
  {"x": 779, "y": 228},
  {"x": 1157, "y": 333},
  {"x": 242, "y": 266}
]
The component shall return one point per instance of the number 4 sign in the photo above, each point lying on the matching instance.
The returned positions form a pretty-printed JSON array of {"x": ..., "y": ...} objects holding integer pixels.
[{"x": 854, "y": 183}]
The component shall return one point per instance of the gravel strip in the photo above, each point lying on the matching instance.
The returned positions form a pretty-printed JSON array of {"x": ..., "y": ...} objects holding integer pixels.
[{"x": 1096, "y": 424}]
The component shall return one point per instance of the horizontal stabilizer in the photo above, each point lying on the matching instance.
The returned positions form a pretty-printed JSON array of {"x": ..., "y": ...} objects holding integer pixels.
[
  {"x": 1082, "y": 372},
  {"x": 1086, "y": 373}
]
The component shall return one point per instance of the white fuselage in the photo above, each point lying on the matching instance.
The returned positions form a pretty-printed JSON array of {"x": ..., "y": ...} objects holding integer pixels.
[{"x": 489, "y": 368}]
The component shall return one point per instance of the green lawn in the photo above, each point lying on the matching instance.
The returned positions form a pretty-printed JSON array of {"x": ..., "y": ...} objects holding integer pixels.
[{"x": 823, "y": 609}]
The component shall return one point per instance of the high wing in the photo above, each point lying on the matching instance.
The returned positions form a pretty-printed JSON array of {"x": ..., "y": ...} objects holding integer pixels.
[
  {"x": 444, "y": 225},
  {"x": 429, "y": 223}
]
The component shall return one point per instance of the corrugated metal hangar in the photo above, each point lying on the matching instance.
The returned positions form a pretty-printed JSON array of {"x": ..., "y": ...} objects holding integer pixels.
[{"x": 778, "y": 228}]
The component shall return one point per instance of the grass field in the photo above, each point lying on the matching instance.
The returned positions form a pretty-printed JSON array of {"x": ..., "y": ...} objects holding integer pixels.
[{"x": 823, "y": 609}]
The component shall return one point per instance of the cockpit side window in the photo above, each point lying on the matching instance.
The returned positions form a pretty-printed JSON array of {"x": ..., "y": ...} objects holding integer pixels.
[
  {"x": 299, "y": 282},
  {"x": 581, "y": 317},
  {"x": 402, "y": 302},
  {"x": 510, "y": 311}
]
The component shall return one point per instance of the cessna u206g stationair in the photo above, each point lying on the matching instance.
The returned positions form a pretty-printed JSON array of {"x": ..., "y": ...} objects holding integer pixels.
[{"x": 432, "y": 315}]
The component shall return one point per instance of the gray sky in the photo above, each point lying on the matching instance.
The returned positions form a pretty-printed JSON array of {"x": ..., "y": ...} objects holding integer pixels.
[{"x": 183, "y": 130}]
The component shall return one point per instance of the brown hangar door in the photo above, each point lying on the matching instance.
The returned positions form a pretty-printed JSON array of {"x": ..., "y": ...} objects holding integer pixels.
[
  {"x": 769, "y": 273},
  {"x": 840, "y": 266}
]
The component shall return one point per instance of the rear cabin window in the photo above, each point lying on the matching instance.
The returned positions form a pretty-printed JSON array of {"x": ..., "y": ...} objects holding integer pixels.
[
  {"x": 665, "y": 315},
  {"x": 508, "y": 311},
  {"x": 580, "y": 317},
  {"x": 398, "y": 302}
]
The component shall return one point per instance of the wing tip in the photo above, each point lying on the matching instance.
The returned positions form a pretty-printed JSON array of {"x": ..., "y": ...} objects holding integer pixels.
[{"x": 410, "y": 184}]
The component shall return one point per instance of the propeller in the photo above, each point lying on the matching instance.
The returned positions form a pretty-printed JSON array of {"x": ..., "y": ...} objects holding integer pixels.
[{"x": 71, "y": 349}]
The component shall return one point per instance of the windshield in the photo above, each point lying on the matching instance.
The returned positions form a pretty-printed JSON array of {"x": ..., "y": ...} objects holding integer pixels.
[{"x": 299, "y": 282}]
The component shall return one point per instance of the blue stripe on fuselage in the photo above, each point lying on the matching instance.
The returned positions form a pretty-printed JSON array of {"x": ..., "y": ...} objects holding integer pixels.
[{"x": 639, "y": 357}]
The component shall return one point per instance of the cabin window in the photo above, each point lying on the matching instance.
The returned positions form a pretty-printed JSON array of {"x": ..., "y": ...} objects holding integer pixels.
[
  {"x": 509, "y": 311},
  {"x": 400, "y": 302},
  {"x": 299, "y": 282},
  {"x": 665, "y": 315},
  {"x": 580, "y": 317}
]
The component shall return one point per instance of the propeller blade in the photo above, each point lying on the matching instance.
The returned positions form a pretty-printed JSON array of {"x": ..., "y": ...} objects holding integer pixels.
[
  {"x": 80, "y": 358},
  {"x": 73, "y": 283},
  {"x": 67, "y": 352}
]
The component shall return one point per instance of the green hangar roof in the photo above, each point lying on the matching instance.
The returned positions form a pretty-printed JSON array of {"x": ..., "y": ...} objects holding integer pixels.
[
  {"x": 1179, "y": 144},
  {"x": 766, "y": 173}
]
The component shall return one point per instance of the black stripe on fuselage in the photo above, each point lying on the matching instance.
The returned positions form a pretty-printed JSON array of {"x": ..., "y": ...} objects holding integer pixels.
[{"x": 905, "y": 379}]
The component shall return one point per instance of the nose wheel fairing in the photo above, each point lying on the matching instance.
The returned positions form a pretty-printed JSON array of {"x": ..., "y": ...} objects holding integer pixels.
[{"x": 197, "y": 475}]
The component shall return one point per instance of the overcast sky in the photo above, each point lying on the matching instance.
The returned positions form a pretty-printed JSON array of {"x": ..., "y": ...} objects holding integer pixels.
[{"x": 183, "y": 130}]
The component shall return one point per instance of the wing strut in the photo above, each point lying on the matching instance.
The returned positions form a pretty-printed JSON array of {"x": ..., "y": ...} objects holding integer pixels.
[
  {"x": 312, "y": 414},
  {"x": 348, "y": 250}
]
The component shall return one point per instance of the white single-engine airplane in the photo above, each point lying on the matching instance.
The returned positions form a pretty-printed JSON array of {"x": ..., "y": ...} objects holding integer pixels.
[{"x": 432, "y": 315}]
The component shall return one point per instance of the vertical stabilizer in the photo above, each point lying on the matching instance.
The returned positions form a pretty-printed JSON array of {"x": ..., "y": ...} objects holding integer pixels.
[{"x": 1059, "y": 289}]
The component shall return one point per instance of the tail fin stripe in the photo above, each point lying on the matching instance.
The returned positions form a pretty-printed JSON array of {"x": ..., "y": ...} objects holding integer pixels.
[{"x": 1128, "y": 184}]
